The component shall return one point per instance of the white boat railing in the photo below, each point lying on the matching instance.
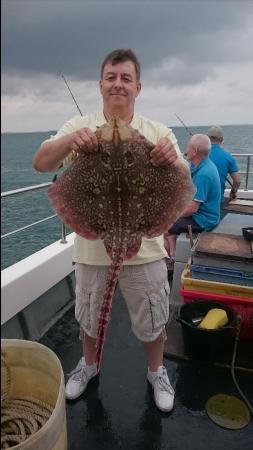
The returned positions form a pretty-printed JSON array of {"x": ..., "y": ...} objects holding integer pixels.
[
  {"x": 247, "y": 171},
  {"x": 63, "y": 240}
]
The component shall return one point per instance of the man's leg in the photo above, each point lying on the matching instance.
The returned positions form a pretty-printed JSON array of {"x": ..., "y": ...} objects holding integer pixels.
[
  {"x": 89, "y": 347},
  {"x": 90, "y": 285},
  {"x": 180, "y": 226},
  {"x": 157, "y": 374},
  {"x": 172, "y": 241},
  {"x": 85, "y": 370},
  {"x": 154, "y": 351},
  {"x": 146, "y": 292}
]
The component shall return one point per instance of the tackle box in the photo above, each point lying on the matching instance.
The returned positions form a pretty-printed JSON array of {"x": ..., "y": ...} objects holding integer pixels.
[
  {"x": 214, "y": 287},
  {"x": 222, "y": 275},
  {"x": 223, "y": 250},
  {"x": 241, "y": 305},
  {"x": 203, "y": 259}
]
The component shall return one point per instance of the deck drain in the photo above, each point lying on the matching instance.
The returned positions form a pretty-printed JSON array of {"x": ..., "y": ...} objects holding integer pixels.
[{"x": 227, "y": 411}]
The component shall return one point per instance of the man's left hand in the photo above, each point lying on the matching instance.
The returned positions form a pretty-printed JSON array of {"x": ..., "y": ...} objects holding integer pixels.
[{"x": 164, "y": 153}]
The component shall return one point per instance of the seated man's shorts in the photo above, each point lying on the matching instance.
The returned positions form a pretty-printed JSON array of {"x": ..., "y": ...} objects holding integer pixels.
[
  {"x": 181, "y": 226},
  {"x": 144, "y": 287}
]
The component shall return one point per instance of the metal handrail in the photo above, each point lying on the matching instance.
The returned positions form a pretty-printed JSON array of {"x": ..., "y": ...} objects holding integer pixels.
[
  {"x": 29, "y": 189},
  {"x": 241, "y": 154},
  {"x": 25, "y": 189},
  {"x": 63, "y": 228},
  {"x": 27, "y": 226},
  {"x": 247, "y": 172}
]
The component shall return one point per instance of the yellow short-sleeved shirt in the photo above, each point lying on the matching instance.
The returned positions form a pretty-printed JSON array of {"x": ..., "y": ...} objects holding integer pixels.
[{"x": 93, "y": 252}]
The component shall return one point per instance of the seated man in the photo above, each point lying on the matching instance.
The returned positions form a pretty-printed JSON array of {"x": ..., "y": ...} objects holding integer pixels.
[{"x": 203, "y": 213}]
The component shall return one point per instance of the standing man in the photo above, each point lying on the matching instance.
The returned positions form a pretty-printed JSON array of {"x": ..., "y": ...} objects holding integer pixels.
[
  {"x": 144, "y": 276},
  {"x": 224, "y": 161},
  {"x": 203, "y": 213}
]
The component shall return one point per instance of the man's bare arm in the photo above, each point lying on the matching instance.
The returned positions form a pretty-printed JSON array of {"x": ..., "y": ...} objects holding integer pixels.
[
  {"x": 236, "y": 183},
  {"x": 191, "y": 209},
  {"x": 51, "y": 154}
]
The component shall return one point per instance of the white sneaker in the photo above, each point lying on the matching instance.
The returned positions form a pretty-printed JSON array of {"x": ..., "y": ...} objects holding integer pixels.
[
  {"x": 163, "y": 391},
  {"x": 79, "y": 378}
]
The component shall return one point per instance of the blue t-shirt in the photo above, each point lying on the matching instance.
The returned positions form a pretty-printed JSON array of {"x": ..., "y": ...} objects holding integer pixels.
[
  {"x": 224, "y": 162},
  {"x": 206, "y": 179}
]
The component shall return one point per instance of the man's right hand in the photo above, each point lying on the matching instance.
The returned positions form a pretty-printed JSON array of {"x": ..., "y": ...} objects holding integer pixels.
[
  {"x": 83, "y": 140},
  {"x": 51, "y": 154}
]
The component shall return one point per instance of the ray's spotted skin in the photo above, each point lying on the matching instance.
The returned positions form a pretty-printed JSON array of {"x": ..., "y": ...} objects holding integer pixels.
[{"x": 117, "y": 195}]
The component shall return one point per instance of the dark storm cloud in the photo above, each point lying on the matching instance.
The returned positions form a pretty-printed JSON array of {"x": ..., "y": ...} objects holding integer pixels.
[{"x": 183, "y": 38}]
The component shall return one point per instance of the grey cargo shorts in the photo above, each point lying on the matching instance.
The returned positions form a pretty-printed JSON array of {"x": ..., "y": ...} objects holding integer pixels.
[{"x": 145, "y": 289}]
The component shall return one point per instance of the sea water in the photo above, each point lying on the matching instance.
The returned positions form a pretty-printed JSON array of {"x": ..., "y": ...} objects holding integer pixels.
[{"x": 18, "y": 150}]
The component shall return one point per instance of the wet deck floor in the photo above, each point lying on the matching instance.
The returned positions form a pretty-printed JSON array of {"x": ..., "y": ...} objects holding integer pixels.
[{"x": 117, "y": 410}]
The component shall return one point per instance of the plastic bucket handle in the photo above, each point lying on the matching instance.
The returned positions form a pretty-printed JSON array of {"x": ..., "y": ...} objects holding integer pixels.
[{"x": 182, "y": 321}]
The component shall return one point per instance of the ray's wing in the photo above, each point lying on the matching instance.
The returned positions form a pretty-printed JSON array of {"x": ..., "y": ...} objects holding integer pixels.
[
  {"x": 152, "y": 197},
  {"x": 80, "y": 196}
]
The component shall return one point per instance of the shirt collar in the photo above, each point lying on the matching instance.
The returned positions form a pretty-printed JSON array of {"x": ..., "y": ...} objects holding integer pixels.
[
  {"x": 101, "y": 120},
  {"x": 135, "y": 122},
  {"x": 194, "y": 168}
]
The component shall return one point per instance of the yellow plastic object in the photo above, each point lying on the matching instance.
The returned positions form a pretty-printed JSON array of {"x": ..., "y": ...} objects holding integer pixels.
[
  {"x": 194, "y": 284},
  {"x": 227, "y": 411},
  {"x": 215, "y": 318},
  {"x": 35, "y": 371}
]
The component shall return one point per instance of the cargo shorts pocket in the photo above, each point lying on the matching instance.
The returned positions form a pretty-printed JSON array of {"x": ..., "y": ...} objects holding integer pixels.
[
  {"x": 159, "y": 309},
  {"x": 83, "y": 309}
]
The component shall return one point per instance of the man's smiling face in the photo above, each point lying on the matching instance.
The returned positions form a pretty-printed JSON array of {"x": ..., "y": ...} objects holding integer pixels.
[{"x": 119, "y": 85}]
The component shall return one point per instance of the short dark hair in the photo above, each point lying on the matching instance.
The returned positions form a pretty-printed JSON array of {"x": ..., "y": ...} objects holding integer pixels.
[{"x": 122, "y": 55}]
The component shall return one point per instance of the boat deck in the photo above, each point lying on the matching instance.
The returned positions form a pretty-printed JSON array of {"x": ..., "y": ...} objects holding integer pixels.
[{"x": 117, "y": 410}]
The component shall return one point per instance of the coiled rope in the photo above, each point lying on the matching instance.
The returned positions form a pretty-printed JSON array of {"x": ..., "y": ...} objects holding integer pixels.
[{"x": 21, "y": 416}]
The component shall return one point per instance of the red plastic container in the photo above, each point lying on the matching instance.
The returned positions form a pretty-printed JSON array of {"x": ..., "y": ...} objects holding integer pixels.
[{"x": 242, "y": 306}]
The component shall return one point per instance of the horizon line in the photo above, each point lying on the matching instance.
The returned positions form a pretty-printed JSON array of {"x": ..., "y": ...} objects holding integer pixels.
[{"x": 169, "y": 126}]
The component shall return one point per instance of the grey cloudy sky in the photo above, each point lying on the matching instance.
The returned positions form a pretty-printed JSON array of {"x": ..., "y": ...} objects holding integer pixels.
[{"x": 196, "y": 57}]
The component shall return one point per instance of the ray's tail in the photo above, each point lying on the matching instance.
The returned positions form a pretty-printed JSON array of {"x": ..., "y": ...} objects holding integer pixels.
[{"x": 106, "y": 306}]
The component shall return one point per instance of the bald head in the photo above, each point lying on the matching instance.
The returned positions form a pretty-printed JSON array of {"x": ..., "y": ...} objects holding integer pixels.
[{"x": 198, "y": 146}]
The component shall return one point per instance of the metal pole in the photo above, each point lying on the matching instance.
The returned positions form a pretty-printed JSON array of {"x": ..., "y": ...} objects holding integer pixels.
[
  {"x": 247, "y": 173},
  {"x": 63, "y": 234}
]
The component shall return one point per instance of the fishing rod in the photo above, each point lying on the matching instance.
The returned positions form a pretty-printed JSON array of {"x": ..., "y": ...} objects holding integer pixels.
[
  {"x": 180, "y": 120},
  {"x": 55, "y": 176},
  {"x": 71, "y": 94},
  {"x": 191, "y": 134}
]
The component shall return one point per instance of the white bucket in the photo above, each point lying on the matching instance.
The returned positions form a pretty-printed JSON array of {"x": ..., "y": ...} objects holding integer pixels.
[{"x": 36, "y": 371}]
